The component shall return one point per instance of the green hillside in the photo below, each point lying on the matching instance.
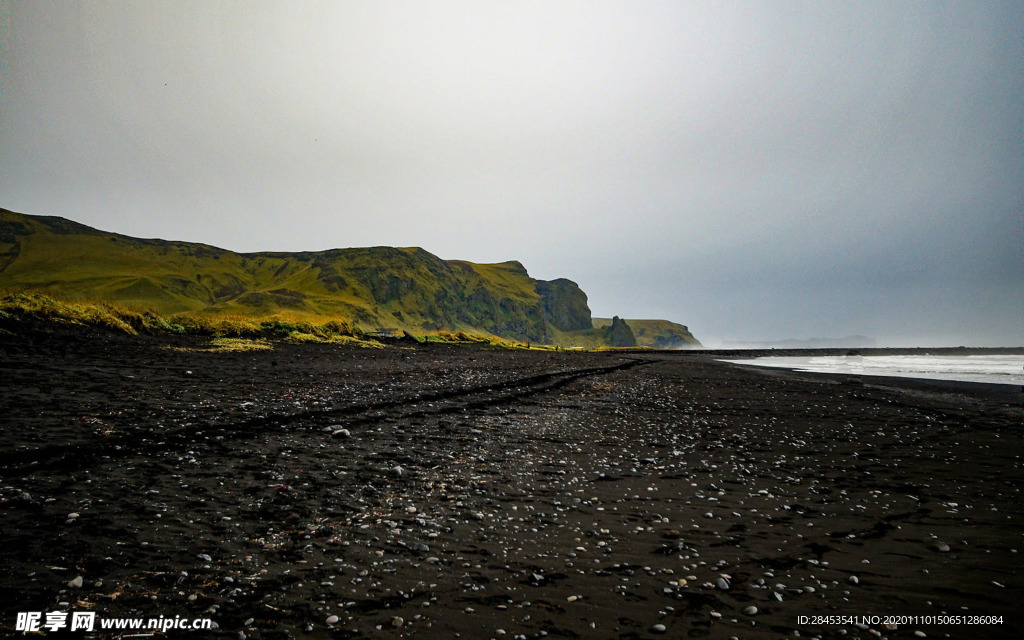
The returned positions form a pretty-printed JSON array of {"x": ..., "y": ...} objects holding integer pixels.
[
  {"x": 375, "y": 288},
  {"x": 657, "y": 334}
]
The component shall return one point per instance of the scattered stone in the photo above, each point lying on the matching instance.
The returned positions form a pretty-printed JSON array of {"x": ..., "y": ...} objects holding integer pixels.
[
  {"x": 76, "y": 583},
  {"x": 853, "y": 580},
  {"x": 941, "y": 547},
  {"x": 341, "y": 433},
  {"x": 658, "y": 628},
  {"x": 750, "y": 611},
  {"x": 722, "y": 584},
  {"x": 397, "y": 621}
]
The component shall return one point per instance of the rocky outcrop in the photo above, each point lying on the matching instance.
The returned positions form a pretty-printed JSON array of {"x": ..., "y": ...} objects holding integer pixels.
[
  {"x": 564, "y": 304},
  {"x": 619, "y": 334}
]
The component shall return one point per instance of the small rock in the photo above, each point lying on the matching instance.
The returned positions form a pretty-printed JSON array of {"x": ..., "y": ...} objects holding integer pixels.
[
  {"x": 397, "y": 621},
  {"x": 853, "y": 580},
  {"x": 397, "y": 470},
  {"x": 341, "y": 433},
  {"x": 76, "y": 583},
  {"x": 750, "y": 611},
  {"x": 722, "y": 584},
  {"x": 332, "y": 619},
  {"x": 205, "y": 557},
  {"x": 73, "y": 515},
  {"x": 941, "y": 547},
  {"x": 658, "y": 628}
]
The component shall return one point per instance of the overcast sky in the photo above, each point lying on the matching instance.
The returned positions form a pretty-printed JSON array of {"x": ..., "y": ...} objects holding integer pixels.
[{"x": 753, "y": 170}]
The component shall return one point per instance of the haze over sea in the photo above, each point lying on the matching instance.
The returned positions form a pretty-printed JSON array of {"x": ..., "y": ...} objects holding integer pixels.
[{"x": 993, "y": 369}]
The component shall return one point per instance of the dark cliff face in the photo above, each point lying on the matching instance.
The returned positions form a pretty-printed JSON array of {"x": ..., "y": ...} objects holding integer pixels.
[
  {"x": 502, "y": 316},
  {"x": 564, "y": 304},
  {"x": 620, "y": 335}
]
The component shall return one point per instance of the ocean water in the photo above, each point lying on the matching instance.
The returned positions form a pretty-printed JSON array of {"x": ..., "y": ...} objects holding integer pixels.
[{"x": 992, "y": 369}]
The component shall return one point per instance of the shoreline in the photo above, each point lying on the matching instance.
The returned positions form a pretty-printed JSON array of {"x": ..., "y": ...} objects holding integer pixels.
[
  {"x": 865, "y": 351},
  {"x": 1008, "y": 394}
]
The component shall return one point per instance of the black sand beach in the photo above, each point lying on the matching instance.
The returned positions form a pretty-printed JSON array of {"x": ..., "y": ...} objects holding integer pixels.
[{"x": 450, "y": 491}]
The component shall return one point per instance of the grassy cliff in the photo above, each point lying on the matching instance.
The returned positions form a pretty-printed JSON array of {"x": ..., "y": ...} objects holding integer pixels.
[
  {"x": 375, "y": 288},
  {"x": 657, "y": 334}
]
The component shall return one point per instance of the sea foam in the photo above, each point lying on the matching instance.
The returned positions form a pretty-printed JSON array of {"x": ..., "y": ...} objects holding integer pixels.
[{"x": 996, "y": 369}]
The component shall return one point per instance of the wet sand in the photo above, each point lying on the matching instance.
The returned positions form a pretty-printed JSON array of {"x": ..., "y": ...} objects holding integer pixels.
[{"x": 450, "y": 491}]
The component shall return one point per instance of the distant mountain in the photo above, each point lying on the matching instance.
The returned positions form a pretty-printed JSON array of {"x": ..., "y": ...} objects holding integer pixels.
[
  {"x": 376, "y": 287},
  {"x": 849, "y": 342}
]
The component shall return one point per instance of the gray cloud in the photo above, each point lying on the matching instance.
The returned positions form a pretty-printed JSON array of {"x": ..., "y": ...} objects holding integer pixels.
[{"x": 754, "y": 170}]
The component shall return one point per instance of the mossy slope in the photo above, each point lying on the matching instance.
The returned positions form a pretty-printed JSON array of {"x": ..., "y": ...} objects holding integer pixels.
[{"x": 376, "y": 288}]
